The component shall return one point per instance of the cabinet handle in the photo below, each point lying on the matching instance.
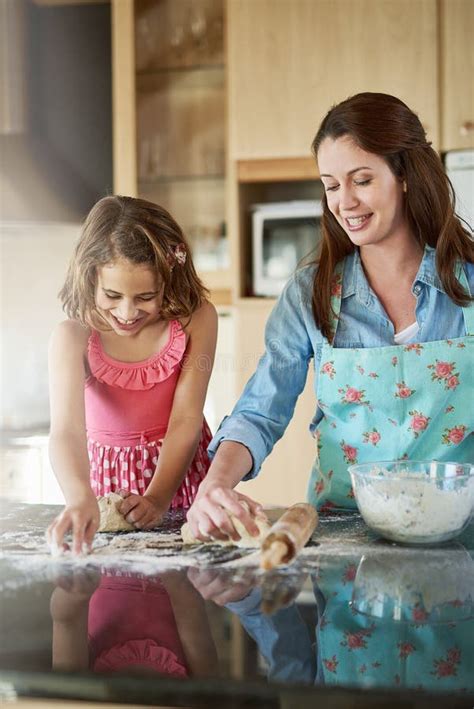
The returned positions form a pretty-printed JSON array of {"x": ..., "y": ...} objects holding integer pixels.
[{"x": 466, "y": 127}]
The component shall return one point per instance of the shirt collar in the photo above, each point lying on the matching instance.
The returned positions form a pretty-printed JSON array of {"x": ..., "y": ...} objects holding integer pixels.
[
  {"x": 355, "y": 282},
  {"x": 427, "y": 272}
]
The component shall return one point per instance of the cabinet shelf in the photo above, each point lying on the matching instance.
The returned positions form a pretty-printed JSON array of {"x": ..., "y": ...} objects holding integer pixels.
[
  {"x": 276, "y": 170},
  {"x": 166, "y": 179},
  {"x": 257, "y": 301},
  {"x": 158, "y": 71}
]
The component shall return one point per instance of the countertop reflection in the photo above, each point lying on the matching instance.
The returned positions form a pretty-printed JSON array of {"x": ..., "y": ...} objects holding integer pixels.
[{"x": 352, "y": 613}]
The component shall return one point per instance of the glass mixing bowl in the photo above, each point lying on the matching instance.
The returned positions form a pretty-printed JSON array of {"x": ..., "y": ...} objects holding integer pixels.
[
  {"x": 415, "y": 585},
  {"x": 414, "y": 502}
]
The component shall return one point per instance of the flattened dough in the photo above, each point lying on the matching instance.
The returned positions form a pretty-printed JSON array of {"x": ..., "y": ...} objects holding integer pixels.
[
  {"x": 111, "y": 520},
  {"x": 246, "y": 540}
]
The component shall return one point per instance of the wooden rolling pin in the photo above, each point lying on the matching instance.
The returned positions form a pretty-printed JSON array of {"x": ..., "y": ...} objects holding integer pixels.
[{"x": 288, "y": 535}]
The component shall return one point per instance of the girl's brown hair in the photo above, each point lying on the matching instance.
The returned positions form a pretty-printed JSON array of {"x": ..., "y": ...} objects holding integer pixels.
[
  {"x": 143, "y": 233},
  {"x": 384, "y": 125}
]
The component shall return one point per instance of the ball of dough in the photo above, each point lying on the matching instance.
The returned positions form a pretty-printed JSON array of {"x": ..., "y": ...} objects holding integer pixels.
[
  {"x": 246, "y": 540},
  {"x": 111, "y": 520}
]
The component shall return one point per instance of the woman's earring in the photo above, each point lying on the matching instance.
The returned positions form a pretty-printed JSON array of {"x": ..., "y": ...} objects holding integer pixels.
[{"x": 404, "y": 186}]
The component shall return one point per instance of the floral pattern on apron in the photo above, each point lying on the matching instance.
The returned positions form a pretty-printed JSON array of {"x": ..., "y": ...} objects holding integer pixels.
[
  {"x": 391, "y": 403},
  {"x": 366, "y": 652}
]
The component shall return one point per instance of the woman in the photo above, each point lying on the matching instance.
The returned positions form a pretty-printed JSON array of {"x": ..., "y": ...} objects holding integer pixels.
[{"x": 386, "y": 314}]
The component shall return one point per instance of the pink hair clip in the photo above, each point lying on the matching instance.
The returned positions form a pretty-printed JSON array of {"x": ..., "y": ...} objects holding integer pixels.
[
  {"x": 177, "y": 255},
  {"x": 180, "y": 254}
]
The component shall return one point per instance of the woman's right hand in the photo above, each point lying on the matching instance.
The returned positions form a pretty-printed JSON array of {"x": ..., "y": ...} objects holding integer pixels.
[
  {"x": 209, "y": 517},
  {"x": 82, "y": 519},
  {"x": 221, "y": 587}
]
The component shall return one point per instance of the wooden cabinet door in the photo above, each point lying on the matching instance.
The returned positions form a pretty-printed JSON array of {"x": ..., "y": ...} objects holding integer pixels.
[
  {"x": 457, "y": 74},
  {"x": 285, "y": 473},
  {"x": 291, "y": 60}
]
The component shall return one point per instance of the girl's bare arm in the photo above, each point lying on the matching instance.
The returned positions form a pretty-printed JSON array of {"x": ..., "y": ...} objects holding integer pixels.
[{"x": 68, "y": 442}]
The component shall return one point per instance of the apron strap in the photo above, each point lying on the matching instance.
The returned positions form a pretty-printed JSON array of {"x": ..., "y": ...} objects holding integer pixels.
[
  {"x": 336, "y": 293},
  {"x": 468, "y": 310}
]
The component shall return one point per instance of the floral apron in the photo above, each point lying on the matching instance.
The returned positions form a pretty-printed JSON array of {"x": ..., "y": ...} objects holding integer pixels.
[
  {"x": 366, "y": 652},
  {"x": 410, "y": 401}
]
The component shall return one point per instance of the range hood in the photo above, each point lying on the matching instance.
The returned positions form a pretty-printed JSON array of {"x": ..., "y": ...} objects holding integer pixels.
[{"x": 50, "y": 161}]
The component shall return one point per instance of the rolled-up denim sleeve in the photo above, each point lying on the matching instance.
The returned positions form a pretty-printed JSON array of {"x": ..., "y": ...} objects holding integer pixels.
[{"x": 267, "y": 403}]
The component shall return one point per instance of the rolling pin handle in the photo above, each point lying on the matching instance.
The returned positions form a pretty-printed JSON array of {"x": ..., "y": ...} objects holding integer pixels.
[{"x": 274, "y": 555}]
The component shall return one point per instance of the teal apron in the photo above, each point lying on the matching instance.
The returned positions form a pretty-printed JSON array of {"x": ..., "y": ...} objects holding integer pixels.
[
  {"x": 408, "y": 401},
  {"x": 414, "y": 653}
]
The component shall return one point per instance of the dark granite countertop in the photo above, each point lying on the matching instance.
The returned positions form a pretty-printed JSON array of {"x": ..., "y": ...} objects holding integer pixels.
[{"x": 145, "y": 620}]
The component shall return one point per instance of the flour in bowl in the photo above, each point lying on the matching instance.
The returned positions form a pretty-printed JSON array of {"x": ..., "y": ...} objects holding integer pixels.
[{"x": 407, "y": 509}]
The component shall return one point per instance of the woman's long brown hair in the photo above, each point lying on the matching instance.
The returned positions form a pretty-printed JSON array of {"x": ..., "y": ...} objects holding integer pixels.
[{"x": 384, "y": 125}]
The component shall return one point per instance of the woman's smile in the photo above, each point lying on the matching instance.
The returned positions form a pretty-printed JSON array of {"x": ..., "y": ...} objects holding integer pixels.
[{"x": 357, "y": 223}]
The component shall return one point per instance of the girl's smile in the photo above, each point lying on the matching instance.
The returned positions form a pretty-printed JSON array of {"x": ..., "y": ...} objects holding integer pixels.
[
  {"x": 127, "y": 325},
  {"x": 127, "y": 296}
]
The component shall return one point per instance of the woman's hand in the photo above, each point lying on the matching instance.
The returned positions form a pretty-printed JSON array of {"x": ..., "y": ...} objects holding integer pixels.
[
  {"x": 82, "y": 519},
  {"x": 143, "y": 511},
  {"x": 221, "y": 587},
  {"x": 209, "y": 517}
]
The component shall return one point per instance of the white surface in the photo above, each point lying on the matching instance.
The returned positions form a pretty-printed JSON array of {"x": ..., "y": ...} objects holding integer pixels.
[{"x": 33, "y": 262}]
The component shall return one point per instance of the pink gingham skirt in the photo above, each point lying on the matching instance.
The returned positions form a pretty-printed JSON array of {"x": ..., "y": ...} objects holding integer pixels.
[{"x": 131, "y": 468}]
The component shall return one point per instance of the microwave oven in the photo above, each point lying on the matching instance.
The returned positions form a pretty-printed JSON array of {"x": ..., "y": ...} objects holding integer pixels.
[{"x": 283, "y": 233}]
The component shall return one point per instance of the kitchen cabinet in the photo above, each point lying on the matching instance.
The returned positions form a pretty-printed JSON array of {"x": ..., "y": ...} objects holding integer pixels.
[
  {"x": 457, "y": 71},
  {"x": 221, "y": 392},
  {"x": 169, "y": 120},
  {"x": 289, "y": 61},
  {"x": 285, "y": 473}
]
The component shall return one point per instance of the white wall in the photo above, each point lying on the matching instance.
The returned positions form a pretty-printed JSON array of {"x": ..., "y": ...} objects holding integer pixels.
[{"x": 33, "y": 262}]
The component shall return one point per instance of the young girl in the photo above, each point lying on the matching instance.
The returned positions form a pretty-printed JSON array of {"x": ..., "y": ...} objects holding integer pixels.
[
  {"x": 386, "y": 314},
  {"x": 129, "y": 370}
]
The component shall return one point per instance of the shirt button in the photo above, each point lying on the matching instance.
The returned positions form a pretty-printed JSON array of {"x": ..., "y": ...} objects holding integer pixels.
[{"x": 417, "y": 290}]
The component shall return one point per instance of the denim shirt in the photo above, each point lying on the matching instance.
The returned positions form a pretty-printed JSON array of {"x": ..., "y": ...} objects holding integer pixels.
[
  {"x": 292, "y": 340},
  {"x": 282, "y": 638}
]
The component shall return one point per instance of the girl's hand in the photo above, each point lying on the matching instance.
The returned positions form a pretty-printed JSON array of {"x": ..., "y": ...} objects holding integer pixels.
[
  {"x": 143, "y": 511},
  {"x": 82, "y": 519},
  {"x": 78, "y": 583},
  {"x": 209, "y": 516}
]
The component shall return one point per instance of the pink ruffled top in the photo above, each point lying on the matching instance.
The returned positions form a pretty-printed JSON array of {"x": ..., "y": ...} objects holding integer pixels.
[
  {"x": 142, "y": 653},
  {"x": 131, "y": 623},
  {"x": 130, "y": 402}
]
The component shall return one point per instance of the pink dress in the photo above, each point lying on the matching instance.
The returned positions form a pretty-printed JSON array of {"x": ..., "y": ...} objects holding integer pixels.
[
  {"x": 128, "y": 405},
  {"x": 131, "y": 622}
]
